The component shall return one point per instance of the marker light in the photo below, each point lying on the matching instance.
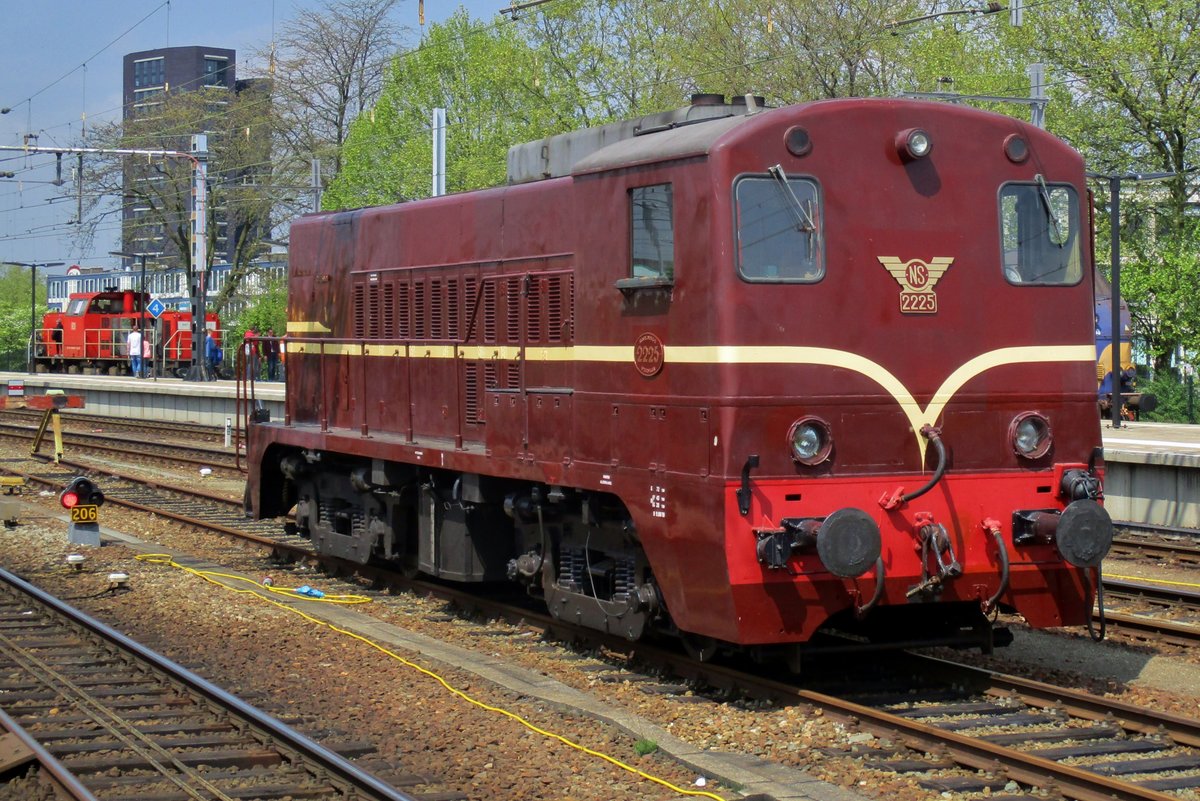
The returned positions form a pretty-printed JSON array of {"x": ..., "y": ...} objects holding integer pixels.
[
  {"x": 913, "y": 144},
  {"x": 1016, "y": 148}
]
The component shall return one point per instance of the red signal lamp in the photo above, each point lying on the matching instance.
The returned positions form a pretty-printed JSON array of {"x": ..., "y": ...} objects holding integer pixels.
[{"x": 81, "y": 490}]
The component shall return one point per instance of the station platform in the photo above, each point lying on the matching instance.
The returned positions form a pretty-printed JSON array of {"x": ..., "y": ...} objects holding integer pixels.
[
  {"x": 205, "y": 402},
  {"x": 1153, "y": 473}
]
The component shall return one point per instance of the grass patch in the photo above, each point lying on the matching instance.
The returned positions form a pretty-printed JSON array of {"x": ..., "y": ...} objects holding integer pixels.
[{"x": 644, "y": 747}]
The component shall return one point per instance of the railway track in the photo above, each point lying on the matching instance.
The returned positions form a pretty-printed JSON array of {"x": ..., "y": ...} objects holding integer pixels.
[
  {"x": 1153, "y": 613},
  {"x": 172, "y": 451},
  {"x": 105, "y": 717},
  {"x": 1157, "y": 548},
  {"x": 76, "y": 421},
  {"x": 1005, "y": 729}
]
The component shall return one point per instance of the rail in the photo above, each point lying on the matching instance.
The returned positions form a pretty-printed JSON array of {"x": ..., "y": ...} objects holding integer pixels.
[{"x": 323, "y": 763}]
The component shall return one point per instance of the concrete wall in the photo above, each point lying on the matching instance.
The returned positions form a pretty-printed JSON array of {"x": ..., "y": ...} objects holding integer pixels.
[
  {"x": 1158, "y": 488},
  {"x": 208, "y": 403}
]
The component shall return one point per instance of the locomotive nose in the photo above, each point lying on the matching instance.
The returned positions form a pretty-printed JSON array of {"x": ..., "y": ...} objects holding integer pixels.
[{"x": 848, "y": 542}]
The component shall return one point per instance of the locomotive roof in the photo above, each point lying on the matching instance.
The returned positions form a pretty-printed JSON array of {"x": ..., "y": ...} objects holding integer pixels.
[
  {"x": 698, "y": 138},
  {"x": 560, "y": 155},
  {"x": 680, "y": 142}
]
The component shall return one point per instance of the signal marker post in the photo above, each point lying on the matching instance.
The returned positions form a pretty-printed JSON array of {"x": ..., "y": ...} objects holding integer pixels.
[
  {"x": 50, "y": 403},
  {"x": 82, "y": 499}
]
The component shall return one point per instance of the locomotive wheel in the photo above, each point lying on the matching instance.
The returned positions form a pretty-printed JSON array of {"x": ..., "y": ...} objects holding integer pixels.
[{"x": 700, "y": 648}]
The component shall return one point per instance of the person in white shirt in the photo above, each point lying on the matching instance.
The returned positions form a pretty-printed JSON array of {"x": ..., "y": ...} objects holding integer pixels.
[{"x": 134, "y": 345}]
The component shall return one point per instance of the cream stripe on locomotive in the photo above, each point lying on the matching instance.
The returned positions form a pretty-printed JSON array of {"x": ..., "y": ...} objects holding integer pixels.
[
  {"x": 734, "y": 354},
  {"x": 917, "y": 417}
]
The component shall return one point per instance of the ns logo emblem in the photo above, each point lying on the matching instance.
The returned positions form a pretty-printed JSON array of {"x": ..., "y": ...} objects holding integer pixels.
[{"x": 917, "y": 280}]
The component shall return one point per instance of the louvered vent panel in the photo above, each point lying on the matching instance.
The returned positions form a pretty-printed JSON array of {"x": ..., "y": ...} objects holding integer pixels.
[
  {"x": 404, "y": 324},
  {"x": 472, "y": 318},
  {"x": 471, "y": 407},
  {"x": 437, "y": 316},
  {"x": 533, "y": 314},
  {"x": 373, "y": 310},
  {"x": 387, "y": 317},
  {"x": 512, "y": 309},
  {"x": 453, "y": 309},
  {"x": 569, "y": 332},
  {"x": 554, "y": 308},
  {"x": 419, "y": 311},
  {"x": 360, "y": 312},
  {"x": 489, "y": 311},
  {"x": 490, "y": 375}
]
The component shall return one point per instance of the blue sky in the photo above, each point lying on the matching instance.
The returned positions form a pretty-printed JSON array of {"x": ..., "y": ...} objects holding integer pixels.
[{"x": 62, "y": 59}]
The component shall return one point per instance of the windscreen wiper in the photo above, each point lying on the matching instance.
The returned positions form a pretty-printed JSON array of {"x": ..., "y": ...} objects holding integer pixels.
[
  {"x": 1044, "y": 191},
  {"x": 804, "y": 221}
]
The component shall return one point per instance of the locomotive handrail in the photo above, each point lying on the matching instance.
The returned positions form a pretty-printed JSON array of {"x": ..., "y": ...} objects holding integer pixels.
[{"x": 175, "y": 347}]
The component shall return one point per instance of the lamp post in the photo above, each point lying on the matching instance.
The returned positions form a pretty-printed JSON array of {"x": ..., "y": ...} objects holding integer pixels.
[
  {"x": 141, "y": 299},
  {"x": 1114, "y": 188},
  {"x": 33, "y": 265}
]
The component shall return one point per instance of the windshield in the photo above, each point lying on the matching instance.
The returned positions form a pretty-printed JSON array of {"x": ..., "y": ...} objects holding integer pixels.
[
  {"x": 1039, "y": 233},
  {"x": 778, "y": 228},
  {"x": 76, "y": 307}
]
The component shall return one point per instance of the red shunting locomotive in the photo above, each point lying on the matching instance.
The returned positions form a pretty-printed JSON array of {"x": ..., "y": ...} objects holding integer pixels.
[
  {"x": 90, "y": 335},
  {"x": 736, "y": 374}
]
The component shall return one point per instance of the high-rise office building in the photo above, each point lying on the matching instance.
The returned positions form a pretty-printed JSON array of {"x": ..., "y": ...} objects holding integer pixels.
[{"x": 149, "y": 76}]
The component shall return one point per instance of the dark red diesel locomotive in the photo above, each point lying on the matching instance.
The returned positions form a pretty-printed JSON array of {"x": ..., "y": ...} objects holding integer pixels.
[{"x": 736, "y": 374}]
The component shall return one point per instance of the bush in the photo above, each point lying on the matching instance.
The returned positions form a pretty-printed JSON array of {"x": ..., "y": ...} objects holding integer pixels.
[{"x": 1173, "y": 399}]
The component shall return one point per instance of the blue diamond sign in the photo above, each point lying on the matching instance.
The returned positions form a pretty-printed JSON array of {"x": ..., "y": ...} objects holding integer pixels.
[{"x": 156, "y": 307}]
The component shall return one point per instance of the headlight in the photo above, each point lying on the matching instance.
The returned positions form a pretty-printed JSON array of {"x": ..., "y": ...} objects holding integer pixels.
[
  {"x": 913, "y": 144},
  {"x": 810, "y": 441},
  {"x": 1030, "y": 434}
]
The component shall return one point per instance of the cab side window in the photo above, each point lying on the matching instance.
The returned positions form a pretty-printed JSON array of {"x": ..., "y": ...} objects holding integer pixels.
[
  {"x": 1039, "y": 234},
  {"x": 652, "y": 232},
  {"x": 778, "y": 221}
]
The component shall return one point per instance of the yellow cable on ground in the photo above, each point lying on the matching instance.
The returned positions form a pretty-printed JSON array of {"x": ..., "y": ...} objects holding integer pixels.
[
  {"x": 210, "y": 576},
  {"x": 1152, "y": 580}
]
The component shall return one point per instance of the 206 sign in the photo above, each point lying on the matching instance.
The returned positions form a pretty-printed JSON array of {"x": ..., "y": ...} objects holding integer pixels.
[{"x": 86, "y": 513}]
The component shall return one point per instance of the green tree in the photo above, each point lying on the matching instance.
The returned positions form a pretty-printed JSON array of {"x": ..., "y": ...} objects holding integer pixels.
[
  {"x": 14, "y": 316},
  {"x": 495, "y": 92},
  {"x": 266, "y": 310},
  {"x": 606, "y": 60},
  {"x": 796, "y": 50}
]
